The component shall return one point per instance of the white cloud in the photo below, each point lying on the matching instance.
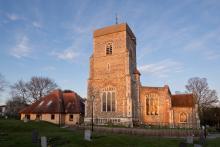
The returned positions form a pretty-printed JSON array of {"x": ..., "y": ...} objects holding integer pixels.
[
  {"x": 67, "y": 54},
  {"x": 22, "y": 48},
  {"x": 212, "y": 55},
  {"x": 14, "y": 17},
  {"x": 161, "y": 69},
  {"x": 37, "y": 24}
]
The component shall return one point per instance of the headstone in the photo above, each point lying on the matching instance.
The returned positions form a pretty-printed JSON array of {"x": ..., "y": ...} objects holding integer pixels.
[
  {"x": 197, "y": 145},
  {"x": 34, "y": 136},
  {"x": 189, "y": 139},
  {"x": 182, "y": 144},
  {"x": 87, "y": 135},
  {"x": 25, "y": 120},
  {"x": 43, "y": 141}
]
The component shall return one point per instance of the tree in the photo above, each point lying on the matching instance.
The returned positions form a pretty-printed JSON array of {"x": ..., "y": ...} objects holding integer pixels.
[
  {"x": 13, "y": 106},
  {"x": 205, "y": 96},
  {"x": 32, "y": 90},
  {"x": 40, "y": 86},
  {"x": 19, "y": 89}
]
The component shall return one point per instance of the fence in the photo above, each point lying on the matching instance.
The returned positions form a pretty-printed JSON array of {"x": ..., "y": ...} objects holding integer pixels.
[{"x": 166, "y": 132}]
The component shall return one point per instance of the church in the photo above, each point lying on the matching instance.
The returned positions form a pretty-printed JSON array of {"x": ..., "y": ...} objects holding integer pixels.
[{"x": 115, "y": 94}]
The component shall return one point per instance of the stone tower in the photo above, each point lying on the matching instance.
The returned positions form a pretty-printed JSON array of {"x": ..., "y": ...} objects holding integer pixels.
[{"x": 113, "y": 80}]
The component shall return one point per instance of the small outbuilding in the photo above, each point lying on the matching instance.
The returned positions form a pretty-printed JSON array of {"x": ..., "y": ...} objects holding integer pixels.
[{"x": 59, "y": 107}]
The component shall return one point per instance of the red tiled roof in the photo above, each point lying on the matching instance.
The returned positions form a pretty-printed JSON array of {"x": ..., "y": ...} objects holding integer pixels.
[
  {"x": 56, "y": 102},
  {"x": 183, "y": 100}
]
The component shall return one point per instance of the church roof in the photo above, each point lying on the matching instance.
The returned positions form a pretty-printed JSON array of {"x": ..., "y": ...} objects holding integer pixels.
[
  {"x": 113, "y": 29},
  {"x": 183, "y": 100},
  {"x": 57, "y": 102}
]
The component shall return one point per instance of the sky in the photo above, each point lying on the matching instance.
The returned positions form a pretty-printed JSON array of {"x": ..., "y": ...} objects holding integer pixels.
[{"x": 176, "y": 40}]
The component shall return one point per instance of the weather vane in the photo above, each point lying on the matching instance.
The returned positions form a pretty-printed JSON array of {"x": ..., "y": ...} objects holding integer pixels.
[{"x": 116, "y": 18}]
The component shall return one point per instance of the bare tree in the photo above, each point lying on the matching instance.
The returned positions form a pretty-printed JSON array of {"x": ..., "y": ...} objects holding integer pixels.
[
  {"x": 205, "y": 96},
  {"x": 32, "y": 90},
  {"x": 19, "y": 89},
  {"x": 13, "y": 106},
  {"x": 40, "y": 86}
]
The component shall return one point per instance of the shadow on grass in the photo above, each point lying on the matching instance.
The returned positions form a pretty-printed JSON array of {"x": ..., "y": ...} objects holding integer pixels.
[{"x": 98, "y": 136}]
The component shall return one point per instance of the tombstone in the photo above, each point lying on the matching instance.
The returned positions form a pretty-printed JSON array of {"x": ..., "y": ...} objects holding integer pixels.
[
  {"x": 34, "y": 136},
  {"x": 197, "y": 145},
  {"x": 87, "y": 135},
  {"x": 189, "y": 139},
  {"x": 43, "y": 141},
  {"x": 183, "y": 144},
  {"x": 25, "y": 119}
]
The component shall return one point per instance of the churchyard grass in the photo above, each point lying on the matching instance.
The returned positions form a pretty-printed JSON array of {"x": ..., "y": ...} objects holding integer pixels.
[{"x": 17, "y": 133}]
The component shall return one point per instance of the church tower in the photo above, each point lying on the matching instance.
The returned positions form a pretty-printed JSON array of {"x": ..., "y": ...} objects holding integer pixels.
[{"x": 113, "y": 79}]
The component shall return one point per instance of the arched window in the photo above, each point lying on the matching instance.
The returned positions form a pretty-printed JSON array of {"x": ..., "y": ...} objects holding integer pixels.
[
  {"x": 152, "y": 105},
  {"x": 104, "y": 102},
  {"x": 108, "y": 101},
  {"x": 183, "y": 117},
  {"x": 109, "y": 48}
]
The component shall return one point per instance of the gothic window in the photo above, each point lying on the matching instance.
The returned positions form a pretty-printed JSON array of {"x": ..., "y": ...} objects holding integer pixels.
[
  {"x": 147, "y": 106},
  {"x": 109, "y": 49},
  {"x": 151, "y": 104},
  {"x": 104, "y": 102},
  {"x": 108, "y": 101},
  {"x": 113, "y": 101},
  {"x": 183, "y": 117}
]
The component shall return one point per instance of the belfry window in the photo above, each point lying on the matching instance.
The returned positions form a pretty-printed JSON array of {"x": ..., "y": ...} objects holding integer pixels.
[
  {"x": 109, "y": 49},
  {"x": 108, "y": 101}
]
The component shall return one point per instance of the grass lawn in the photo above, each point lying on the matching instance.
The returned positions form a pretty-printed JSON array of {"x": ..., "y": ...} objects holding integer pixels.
[{"x": 16, "y": 133}]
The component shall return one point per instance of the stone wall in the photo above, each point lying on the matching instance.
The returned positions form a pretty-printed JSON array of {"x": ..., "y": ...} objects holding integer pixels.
[
  {"x": 163, "y": 105},
  {"x": 190, "y": 113}
]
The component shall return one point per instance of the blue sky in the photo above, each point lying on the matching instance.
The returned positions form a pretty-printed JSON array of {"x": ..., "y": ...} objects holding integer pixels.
[{"x": 176, "y": 40}]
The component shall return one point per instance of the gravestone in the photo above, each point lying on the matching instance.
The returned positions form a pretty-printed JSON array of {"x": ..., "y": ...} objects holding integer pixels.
[
  {"x": 43, "y": 141},
  {"x": 87, "y": 135},
  {"x": 189, "y": 139},
  {"x": 197, "y": 145},
  {"x": 183, "y": 144},
  {"x": 25, "y": 120},
  {"x": 35, "y": 136}
]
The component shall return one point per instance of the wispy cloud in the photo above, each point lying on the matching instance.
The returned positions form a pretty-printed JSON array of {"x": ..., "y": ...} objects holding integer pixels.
[
  {"x": 162, "y": 69},
  {"x": 14, "y": 17},
  {"x": 37, "y": 24},
  {"x": 68, "y": 55},
  {"x": 22, "y": 48},
  {"x": 212, "y": 55}
]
